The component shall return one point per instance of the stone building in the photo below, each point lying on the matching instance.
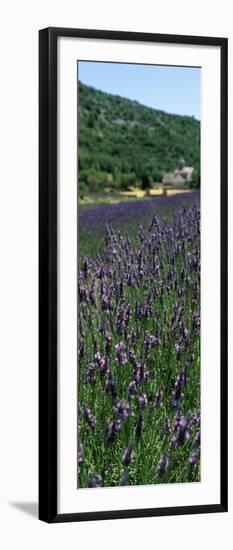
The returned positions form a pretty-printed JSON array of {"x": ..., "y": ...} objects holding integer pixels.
[{"x": 181, "y": 176}]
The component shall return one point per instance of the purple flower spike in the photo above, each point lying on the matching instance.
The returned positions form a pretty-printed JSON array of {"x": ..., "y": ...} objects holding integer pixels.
[
  {"x": 120, "y": 347},
  {"x": 121, "y": 355},
  {"x": 90, "y": 418},
  {"x": 142, "y": 400},
  {"x": 80, "y": 454},
  {"x": 91, "y": 373},
  {"x": 113, "y": 427},
  {"x": 163, "y": 465},
  {"x": 181, "y": 429},
  {"x": 122, "y": 409},
  {"x": 108, "y": 341},
  {"x": 110, "y": 386},
  {"x": 183, "y": 423},
  {"x": 127, "y": 456},
  {"x": 178, "y": 351},
  {"x": 151, "y": 340},
  {"x": 193, "y": 459},
  {"x": 157, "y": 401},
  {"x": 197, "y": 440},
  {"x": 132, "y": 389}
]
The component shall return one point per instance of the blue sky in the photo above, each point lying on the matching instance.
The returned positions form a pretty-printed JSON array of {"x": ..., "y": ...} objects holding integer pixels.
[{"x": 171, "y": 89}]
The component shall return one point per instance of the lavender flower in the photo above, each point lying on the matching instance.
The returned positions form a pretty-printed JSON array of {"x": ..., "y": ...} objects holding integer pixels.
[
  {"x": 151, "y": 340},
  {"x": 110, "y": 386},
  {"x": 181, "y": 431},
  {"x": 157, "y": 401},
  {"x": 193, "y": 459},
  {"x": 127, "y": 456},
  {"x": 132, "y": 387},
  {"x": 102, "y": 363},
  {"x": 108, "y": 341},
  {"x": 121, "y": 355},
  {"x": 80, "y": 453},
  {"x": 197, "y": 440},
  {"x": 163, "y": 465},
  {"x": 113, "y": 427},
  {"x": 178, "y": 351},
  {"x": 122, "y": 409},
  {"x": 90, "y": 418},
  {"x": 91, "y": 373},
  {"x": 142, "y": 400},
  {"x": 177, "y": 392}
]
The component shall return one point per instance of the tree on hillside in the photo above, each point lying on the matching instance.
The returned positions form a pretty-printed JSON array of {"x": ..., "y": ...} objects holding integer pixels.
[{"x": 146, "y": 182}]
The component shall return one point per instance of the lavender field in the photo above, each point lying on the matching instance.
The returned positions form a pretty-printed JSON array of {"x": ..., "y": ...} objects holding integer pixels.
[{"x": 139, "y": 342}]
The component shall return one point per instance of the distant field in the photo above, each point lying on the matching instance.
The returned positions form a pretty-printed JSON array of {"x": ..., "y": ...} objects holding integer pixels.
[{"x": 125, "y": 214}]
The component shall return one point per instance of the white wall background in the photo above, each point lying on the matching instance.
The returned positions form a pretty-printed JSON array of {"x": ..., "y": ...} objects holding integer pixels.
[{"x": 20, "y": 22}]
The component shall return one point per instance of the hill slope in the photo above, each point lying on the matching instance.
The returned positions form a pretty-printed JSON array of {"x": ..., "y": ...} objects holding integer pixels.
[{"x": 122, "y": 142}]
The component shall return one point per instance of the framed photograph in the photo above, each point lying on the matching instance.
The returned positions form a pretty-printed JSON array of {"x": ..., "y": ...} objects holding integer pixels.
[{"x": 133, "y": 275}]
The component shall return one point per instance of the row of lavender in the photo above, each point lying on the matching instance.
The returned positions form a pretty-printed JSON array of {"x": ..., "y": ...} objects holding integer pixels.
[
  {"x": 139, "y": 356},
  {"x": 92, "y": 217}
]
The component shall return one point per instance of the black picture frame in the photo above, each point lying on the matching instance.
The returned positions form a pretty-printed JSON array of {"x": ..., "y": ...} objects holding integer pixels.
[{"x": 48, "y": 274}]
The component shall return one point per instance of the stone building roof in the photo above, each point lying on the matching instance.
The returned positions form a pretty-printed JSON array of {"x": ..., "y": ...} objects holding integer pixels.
[{"x": 180, "y": 176}]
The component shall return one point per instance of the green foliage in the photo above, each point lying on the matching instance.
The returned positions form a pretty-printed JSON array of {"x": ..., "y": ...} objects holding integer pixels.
[
  {"x": 196, "y": 179},
  {"x": 146, "y": 181},
  {"x": 133, "y": 143},
  {"x": 126, "y": 180},
  {"x": 82, "y": 189}
]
